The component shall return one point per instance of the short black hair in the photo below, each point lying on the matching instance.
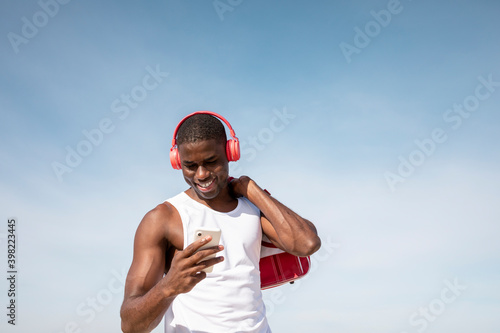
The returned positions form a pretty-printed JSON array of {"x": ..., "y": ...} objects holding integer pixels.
[{"x": 201, "y": 127}]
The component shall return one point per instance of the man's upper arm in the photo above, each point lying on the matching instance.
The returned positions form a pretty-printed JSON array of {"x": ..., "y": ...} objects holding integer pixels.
[{"x": 148, "y": 262}]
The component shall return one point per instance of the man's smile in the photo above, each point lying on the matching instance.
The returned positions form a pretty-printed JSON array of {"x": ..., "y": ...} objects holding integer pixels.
[{"x": 206, "y": 186}]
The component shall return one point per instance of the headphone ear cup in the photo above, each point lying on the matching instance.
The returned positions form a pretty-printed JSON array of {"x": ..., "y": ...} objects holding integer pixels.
[
  {"x": 175, "y": 160},
  {"x": 233, "y": 150}
]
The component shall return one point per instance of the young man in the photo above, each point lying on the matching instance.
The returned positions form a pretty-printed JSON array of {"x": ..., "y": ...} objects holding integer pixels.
[{"x": 166, "y": 277}]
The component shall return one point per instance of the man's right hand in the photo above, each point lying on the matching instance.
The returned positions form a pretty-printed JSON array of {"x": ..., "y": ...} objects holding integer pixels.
[{"x": 187, "y": 265}]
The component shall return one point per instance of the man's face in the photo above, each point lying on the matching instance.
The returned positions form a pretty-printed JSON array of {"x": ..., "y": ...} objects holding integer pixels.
[{"x": 204, "y": 167}]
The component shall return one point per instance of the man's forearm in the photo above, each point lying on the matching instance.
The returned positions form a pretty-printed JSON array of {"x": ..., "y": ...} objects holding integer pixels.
[
  {"x": 141, "y": 314},
  {"x": 296, "y": 234}
]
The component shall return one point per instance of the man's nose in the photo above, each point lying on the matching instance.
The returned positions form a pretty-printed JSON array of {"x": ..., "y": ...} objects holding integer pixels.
[{"x": 202, "y": 172}]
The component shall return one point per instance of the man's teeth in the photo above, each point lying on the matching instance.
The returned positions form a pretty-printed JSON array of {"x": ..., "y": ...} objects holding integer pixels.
[{"x": 206, "y": 184}]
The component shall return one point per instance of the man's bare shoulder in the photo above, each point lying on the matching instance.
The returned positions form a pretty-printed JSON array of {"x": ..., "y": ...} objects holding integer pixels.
[
  {"x": 162, "y": 212},
  {"x": 162, "y": 224}
]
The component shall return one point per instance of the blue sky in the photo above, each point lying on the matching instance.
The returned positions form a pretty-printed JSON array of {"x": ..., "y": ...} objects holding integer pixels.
[{"x": 392, "y": 149}]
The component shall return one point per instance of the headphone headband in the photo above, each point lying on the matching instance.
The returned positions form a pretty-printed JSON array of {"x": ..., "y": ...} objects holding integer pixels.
[{"x": 231, "y": 131}]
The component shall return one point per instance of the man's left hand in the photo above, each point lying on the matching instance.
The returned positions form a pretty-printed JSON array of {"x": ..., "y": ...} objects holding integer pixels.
[{"x": 238, "y": 187}]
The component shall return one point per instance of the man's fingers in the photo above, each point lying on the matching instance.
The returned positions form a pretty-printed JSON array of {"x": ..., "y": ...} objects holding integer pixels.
[
  {"x": 194, "y": 260},
  {"x": 198, "y": 276},
  {"x": 201, "y": 254},
  {"x": 195, "y": 255},
  {"x": 207, "y": 263},
  {"x": 194, "y": 246}
]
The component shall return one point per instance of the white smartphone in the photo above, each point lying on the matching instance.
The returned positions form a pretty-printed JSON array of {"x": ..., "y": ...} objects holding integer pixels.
[{"x": 201, "y": 233}]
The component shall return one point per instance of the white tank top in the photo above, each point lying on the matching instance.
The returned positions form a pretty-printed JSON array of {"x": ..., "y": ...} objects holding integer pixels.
[{"x": 229, "y": 299}]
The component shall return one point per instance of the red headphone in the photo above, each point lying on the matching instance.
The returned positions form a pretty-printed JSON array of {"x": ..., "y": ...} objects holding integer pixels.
[{"x": 232, "y": 145}]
